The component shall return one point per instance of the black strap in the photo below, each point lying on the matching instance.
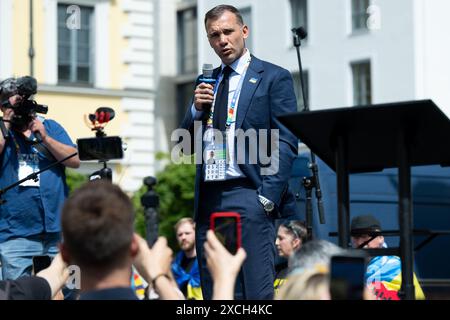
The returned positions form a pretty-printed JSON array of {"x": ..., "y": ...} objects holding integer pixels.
[
  {"x": 221, "y": 104},
  {"x": 42, "y": 149}
]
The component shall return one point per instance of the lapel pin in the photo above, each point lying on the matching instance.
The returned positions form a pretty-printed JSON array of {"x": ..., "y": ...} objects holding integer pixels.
[{"x": 253, "y": 80}]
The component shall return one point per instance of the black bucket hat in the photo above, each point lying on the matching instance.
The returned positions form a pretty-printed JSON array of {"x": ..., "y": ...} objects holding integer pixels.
[{"x": 365, "y": 224}]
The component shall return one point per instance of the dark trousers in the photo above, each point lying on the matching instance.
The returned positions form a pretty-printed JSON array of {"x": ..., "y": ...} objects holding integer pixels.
[{"x": 256, "y": 278}]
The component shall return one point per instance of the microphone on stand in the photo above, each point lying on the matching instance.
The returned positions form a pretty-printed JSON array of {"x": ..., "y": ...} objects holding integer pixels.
[{"x": 308, "y": 182}]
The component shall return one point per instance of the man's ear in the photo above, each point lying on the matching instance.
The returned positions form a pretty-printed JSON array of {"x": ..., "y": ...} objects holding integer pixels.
[
  {"x": 134, "y": 246},
  {"x": 245, "y": 31}
]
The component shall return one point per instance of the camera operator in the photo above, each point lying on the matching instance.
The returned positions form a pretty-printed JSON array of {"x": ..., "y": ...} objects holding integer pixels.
[{"x": 30, "y": 217}]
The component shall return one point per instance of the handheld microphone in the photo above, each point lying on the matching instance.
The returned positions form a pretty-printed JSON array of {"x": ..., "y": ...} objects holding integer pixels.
[
  {"x": 208, "y": 70},
  {"x": 207, "y": 77}
]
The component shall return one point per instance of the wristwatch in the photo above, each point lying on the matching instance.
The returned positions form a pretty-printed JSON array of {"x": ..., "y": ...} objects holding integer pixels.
[{"x": 267, "y": 204}]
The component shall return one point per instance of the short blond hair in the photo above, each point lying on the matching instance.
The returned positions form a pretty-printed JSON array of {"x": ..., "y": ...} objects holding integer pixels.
[
  {"x": 183, "y": 221},
  {"x": 309, "y": 285}
]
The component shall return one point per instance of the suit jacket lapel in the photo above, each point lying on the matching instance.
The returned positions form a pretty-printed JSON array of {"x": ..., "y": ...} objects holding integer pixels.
[{"x": 251, "y": 82}]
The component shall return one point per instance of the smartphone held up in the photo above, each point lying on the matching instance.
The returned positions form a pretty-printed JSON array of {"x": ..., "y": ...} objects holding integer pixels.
[{"x": 227, "y": 228}]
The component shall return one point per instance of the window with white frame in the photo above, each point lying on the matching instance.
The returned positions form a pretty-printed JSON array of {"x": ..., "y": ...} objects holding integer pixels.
[
  {"x": 299, "y": 13},
  {"x": 362, "y": 83},
  {"x": 187, "y": 40},
  {"x": 298, "y": 88},
  {"x": 75, "y": 46},
  {"x": 359, "y": 14},
  {"x": 246, "y": 14}
]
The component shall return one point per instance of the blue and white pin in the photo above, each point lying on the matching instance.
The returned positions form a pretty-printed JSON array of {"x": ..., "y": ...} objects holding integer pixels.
[{"x": 253, "y": 80}]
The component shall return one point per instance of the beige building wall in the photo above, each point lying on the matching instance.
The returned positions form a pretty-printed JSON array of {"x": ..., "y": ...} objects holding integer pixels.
[{"x": 124, "y": 74}]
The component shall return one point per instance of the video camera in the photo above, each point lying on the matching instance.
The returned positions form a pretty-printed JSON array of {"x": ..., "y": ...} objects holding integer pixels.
[{"x": 25, "y": 109}]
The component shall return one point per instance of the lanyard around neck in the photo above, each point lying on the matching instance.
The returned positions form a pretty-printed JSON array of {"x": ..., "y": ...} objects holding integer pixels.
[{"x": 231, "y": 108}]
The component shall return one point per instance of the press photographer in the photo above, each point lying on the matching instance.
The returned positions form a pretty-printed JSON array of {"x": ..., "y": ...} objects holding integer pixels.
[{"x": 29, "y": 216}]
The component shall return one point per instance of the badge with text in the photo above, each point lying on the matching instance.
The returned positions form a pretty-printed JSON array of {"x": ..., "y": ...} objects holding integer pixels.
[
  {"x": 214, "y": 156},
  {"x": 28, "y": 164}
]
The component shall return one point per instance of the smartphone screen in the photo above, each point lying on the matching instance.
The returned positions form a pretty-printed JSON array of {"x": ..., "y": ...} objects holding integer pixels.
[
  {"x": 347, "y": 277},
  {"x": 227, "y": 228},
  {"x": 40, "y": 263},
  {"x": 100, "y": 148}
]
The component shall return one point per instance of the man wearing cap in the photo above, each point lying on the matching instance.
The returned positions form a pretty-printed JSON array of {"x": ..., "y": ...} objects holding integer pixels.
[{"x": 383, "y": 275}]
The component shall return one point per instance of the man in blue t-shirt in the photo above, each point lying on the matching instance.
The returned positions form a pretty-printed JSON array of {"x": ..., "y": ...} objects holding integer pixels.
[{"x": 30, "y": 217}]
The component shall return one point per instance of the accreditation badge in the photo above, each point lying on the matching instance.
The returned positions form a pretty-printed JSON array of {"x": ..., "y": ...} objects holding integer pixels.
[
  {"x": 28, "y": 164},
  {"x": 214, "y": 156}
]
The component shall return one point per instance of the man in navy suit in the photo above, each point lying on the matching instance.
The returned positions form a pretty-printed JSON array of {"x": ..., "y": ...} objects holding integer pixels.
[{"x": 242, "y": 108}]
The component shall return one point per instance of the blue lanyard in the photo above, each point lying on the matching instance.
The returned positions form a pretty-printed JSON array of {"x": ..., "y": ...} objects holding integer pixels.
[{"x": 231, "y": 115}]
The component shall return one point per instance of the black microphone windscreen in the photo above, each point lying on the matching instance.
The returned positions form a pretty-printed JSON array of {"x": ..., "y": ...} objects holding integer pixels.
[{"x": 302, "y": 33}]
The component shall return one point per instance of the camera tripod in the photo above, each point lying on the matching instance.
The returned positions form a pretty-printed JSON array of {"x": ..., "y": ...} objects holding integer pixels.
[{"x": 104, "y": 173}]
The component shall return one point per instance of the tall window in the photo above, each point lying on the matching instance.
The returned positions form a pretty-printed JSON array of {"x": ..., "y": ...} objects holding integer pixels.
[
  {"x": 185, "y": 92},
  {"x": 246, "y": 14},
  {"x": 75, "y": 58},
  {"x": 362, "y": 83},
  {"x": 359, "y": 14},
  {"x": 298, "y": 91},
  {"x": 299, "y": 14},
  {"x": 187, "y": 40}
]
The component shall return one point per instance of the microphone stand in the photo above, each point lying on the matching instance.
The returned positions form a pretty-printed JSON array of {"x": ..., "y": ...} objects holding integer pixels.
[
  {"x": 33, "y": 176},
  {"x": 313, "y": 181},
  {"x": 150, "y": 202}
]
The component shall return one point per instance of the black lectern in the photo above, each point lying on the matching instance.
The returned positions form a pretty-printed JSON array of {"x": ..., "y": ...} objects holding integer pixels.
[{"x": 373, "y": 138}]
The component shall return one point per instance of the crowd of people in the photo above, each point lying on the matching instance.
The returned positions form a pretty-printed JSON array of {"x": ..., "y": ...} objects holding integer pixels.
[{"x": 96, "y": 223}]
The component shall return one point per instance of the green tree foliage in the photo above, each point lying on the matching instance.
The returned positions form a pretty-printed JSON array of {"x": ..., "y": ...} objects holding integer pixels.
[
  {"x": 74, "y": 179},
  {"x": 175, "y": 188}
]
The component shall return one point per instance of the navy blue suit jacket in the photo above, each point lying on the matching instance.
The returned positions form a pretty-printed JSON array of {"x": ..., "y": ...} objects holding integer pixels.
[{"x": 267, "y": 92}]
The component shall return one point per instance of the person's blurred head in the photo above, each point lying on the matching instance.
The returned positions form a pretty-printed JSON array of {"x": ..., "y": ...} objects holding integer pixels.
[
  {"x": 185, "y": 232},
  {"x": 97, "y": 228},
  {"x": 313, "y": 254},
  {"x": 226, "y": 32},
  {"x": 313, "y": 284},
  {"x": 290, "y": 237},
  {"x": 364, "y": 228}
]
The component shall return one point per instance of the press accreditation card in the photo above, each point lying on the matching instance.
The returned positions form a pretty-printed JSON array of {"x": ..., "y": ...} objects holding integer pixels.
[
  {"x": 28, "y": 164},
  {"x": 215, "y": 158}
]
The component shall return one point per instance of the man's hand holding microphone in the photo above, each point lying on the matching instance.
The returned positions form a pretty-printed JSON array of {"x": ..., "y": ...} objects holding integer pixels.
[{"x": 204, "y": 93}]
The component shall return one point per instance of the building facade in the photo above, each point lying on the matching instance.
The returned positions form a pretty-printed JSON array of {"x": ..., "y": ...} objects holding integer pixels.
[
  {"x": 357, "y": 52},
  {"x": 88, "y": 54}
]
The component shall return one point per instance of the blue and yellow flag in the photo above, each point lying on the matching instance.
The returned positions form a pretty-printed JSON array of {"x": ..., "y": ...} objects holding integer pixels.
[{"x": 384, "y": 278}]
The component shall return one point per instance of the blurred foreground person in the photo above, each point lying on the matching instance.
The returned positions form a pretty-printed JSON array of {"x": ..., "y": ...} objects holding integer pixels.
[
  {"x": 46, "y": 285},
  {"x": 98, "y": 232}
]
